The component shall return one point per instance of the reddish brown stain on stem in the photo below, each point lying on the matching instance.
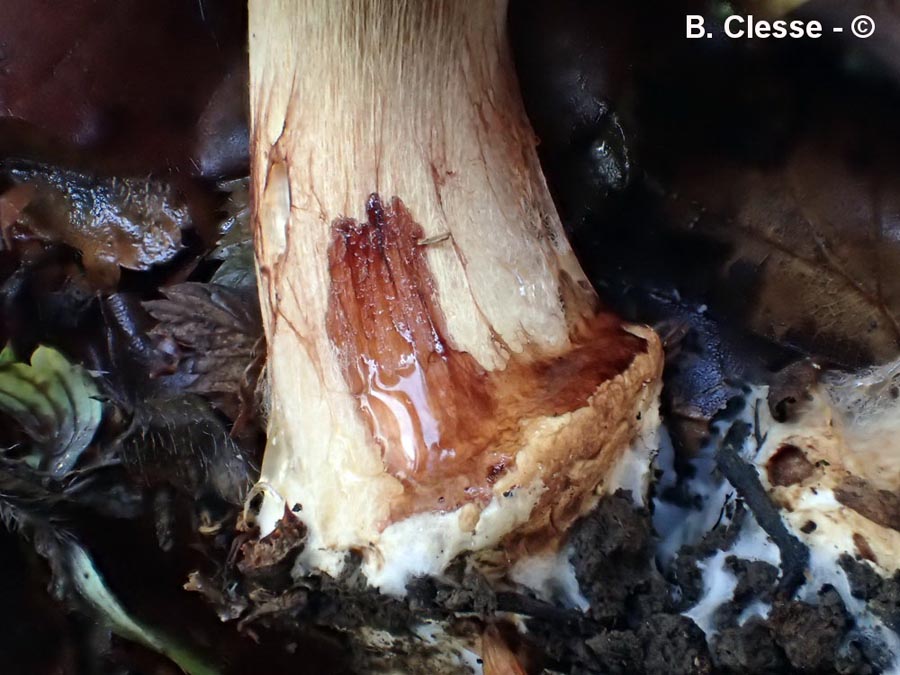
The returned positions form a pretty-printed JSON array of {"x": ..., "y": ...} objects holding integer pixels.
[{"x": 447, "y": 427}]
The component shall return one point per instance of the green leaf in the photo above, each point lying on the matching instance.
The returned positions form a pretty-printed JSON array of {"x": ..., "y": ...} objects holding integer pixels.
[
  {"x": 7, "y": 355},
  {"x": 93, "y": 588},
  {"x": 54, "y": 401}
]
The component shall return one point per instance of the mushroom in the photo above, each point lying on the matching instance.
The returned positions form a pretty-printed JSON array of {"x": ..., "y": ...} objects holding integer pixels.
[
  {"x": 833, "y": 467},
  {"x": 442, "y": 377}
]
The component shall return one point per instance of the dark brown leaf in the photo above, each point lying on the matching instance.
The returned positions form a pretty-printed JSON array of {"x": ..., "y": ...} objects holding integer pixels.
[
  {"x": 879, "y": 506},
  {"x": 221, "y": 330},
  {"x": 127, "y": 222},
  {"x": 269, "y": 560},
  {"x": 815, "y": 248}
]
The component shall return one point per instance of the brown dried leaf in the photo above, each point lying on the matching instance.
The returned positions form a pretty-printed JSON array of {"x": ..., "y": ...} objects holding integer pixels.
[
  {"x": 128, "y": 222},
  {"x": 815, "y": 249},
  {"x": 221, "y": 331},
  {"x": 498, "y": 658},
  {"x": 879, "y": 506},
  {"x": 272, "y": 557}
]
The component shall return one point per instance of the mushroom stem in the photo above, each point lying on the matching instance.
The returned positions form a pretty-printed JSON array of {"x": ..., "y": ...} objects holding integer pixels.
[{"x": 445, "y": 348}]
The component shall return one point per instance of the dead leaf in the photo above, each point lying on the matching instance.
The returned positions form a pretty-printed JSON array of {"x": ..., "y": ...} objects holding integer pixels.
[
  {"x": 498, "y": 658},
  {"x": 129, "y": 222},
  {"x": 815, "y": 249},
  {"x": 269, "y": 560},
  {"x": 221, "y": 331}
]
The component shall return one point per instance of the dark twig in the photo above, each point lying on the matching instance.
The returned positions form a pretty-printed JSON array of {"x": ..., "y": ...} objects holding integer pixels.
[{"x": 743, "y": 476}]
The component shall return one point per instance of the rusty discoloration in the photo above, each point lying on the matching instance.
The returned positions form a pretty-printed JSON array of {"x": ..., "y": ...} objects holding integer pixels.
[
  {"x": 447, "y": 428},
  {"x": 879, "y": 506},
  {"x": 863, "y": 548},
  {"x": 789, "y": 466}
]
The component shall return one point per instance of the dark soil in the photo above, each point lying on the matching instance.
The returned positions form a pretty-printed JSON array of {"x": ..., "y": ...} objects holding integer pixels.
[
  {"x": 634, "y": 624},
  {"x": 881, "y": 595}
]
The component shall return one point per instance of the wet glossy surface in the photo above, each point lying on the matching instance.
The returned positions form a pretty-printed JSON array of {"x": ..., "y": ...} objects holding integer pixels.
[
  {"x": 447, "y": 427},
  {"x": 129, "y": 222}
]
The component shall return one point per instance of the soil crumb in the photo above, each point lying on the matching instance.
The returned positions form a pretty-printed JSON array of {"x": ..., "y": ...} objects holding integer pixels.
[{"x": 635, "y": 623}]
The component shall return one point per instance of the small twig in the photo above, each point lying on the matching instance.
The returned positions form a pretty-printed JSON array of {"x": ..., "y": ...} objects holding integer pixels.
[
  {"x": 518, "y": 603},
  {"x": 434, "y": 239},
  {"x": 743, "y": 476}
]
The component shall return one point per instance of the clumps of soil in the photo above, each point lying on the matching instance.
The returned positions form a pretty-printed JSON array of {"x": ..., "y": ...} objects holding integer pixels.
[
  {"x": 881, "y": 595},
  {"x": 795, "y": 636},
  {"x": 756, "y": 582},
  {"x": 757, "y": 579},
  {"x": 635, "y": 623},
  {"x": 614, "y": 551},
  {"x": 800, "y": 637},
  {"x": 685, "y": 573},
  {"x": 810, "y": 634},
  {"x": 377, "y": 632},
  {"x": 749, "y": 648},
  {"x": 673, "y": 644},
  {"x": 664, "y": 643}
]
